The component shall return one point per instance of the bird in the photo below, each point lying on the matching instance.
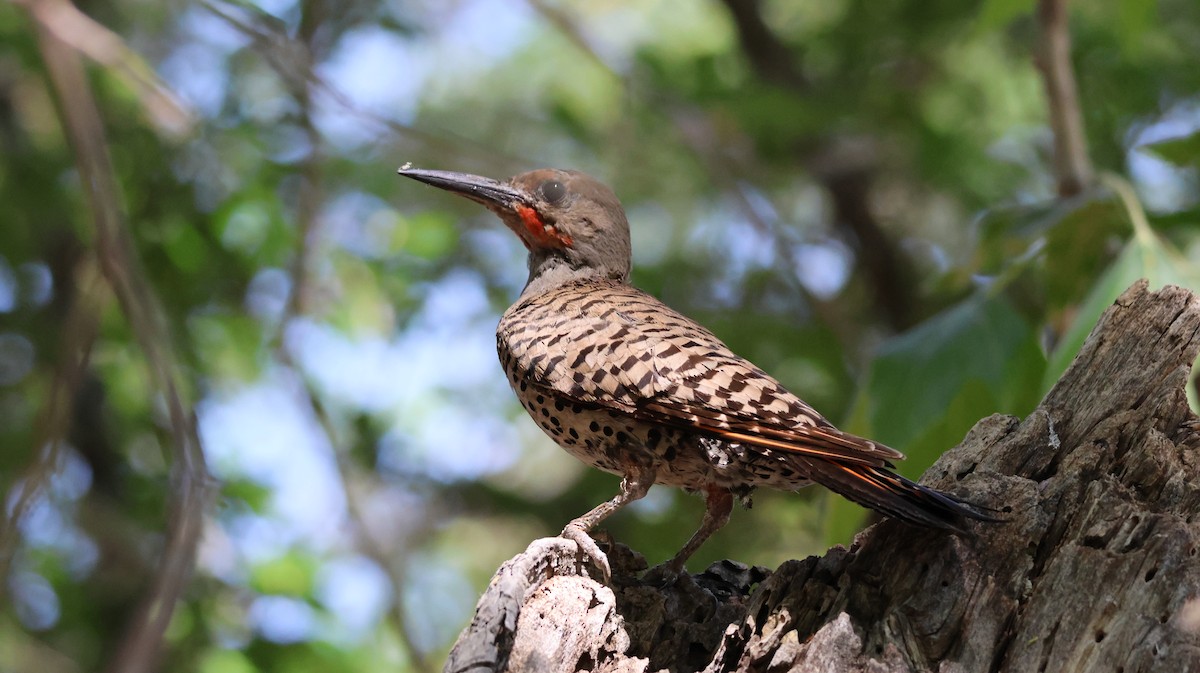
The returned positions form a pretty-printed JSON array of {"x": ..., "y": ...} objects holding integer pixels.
[{"x": 632, "y": 387}]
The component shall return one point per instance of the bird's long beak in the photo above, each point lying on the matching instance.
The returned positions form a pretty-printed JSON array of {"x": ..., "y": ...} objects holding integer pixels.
[{"x": 492, "y": 193}]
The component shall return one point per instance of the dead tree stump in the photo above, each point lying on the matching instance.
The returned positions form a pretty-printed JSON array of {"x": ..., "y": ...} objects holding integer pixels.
[{"x": 1095, "y": 570}]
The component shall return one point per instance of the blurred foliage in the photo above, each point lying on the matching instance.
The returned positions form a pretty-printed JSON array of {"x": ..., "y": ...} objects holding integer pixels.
[{"x": 868, "y": 212}]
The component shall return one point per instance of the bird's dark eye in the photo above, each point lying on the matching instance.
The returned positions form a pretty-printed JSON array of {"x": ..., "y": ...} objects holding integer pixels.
[{"x": 553, "y": 191}]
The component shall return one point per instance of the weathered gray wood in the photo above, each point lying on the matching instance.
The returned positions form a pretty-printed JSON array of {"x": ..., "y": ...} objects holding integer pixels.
[{"x": 1096, "y": 569}]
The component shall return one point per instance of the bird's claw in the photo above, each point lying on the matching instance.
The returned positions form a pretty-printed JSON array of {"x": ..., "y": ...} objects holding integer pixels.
[{"x": 588, "y": 548}]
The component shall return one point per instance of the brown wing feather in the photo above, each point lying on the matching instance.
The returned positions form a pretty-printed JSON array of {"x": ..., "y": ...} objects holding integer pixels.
[{"x": 611, "y": 345}]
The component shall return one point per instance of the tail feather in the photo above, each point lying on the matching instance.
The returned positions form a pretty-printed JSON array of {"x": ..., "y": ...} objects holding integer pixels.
[{"x": 891, "y": 494}]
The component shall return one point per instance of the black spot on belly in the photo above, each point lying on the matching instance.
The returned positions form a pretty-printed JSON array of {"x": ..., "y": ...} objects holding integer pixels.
[
  {"x": 594, "y": 426},
  {"x": 653, "y": 437}
]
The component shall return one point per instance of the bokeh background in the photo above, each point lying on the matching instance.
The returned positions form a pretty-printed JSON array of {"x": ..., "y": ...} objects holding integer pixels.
[{"x": 230, "y": 334}]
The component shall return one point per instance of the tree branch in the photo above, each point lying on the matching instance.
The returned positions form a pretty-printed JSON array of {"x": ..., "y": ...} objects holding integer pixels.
[
  {"x": 888, "y": 274},
  {"x": 81, "y": 122},
  {"x": 163, "y": 108},
  {"x": 1072, "y": 165},
  {"x": 771, "y": 58},
  {"x": 847, "y": 179}
]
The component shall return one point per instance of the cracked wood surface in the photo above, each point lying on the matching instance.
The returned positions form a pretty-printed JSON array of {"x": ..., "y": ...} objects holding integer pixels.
[{"x": 1096, "y": 569}]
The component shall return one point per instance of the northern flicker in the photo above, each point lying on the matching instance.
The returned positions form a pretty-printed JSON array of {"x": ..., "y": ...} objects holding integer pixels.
[{"x": 629, "y": 386}]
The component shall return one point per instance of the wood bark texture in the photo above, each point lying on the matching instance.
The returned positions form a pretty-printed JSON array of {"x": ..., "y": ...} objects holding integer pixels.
[{"x": 1096, "y": 568}]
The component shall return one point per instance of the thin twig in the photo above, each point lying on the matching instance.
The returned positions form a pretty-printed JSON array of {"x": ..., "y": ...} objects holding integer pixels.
[
  {"x": 310, "y": 196},
  {"x": 1072, "y": 165},
  {"x": 138, "y": 652},
  {"x": 279, "y": 49}
]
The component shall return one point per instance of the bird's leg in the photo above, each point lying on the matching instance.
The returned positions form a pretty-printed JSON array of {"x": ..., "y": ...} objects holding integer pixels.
[
  {"x": 634, "y": 486},
  {"x": 718, "y": 504}
]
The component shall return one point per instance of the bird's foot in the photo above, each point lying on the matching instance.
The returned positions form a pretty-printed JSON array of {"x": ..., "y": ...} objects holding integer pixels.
[{"x": 589, "y": 549}]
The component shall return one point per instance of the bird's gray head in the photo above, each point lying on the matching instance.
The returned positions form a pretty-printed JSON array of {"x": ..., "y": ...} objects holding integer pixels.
[{"x": 571, "y": 223}]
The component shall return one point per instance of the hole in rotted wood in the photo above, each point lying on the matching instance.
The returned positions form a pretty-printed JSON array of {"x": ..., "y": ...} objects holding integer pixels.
[
  {"x": 763, "y": 613},
  {"x": 1120, "y": 669},
  {"x": 698, "y": 655},
  {"x": 1192, "y": 551},
  {"x": 1151, "y": 573},
  {"x": 1164, "y": 618},
  {"x": 585, "y": 663},
  {"x": 945, "y": 583},
  {"x": 1007, "y": 509},
  {"x": 1100, "y": 635}
]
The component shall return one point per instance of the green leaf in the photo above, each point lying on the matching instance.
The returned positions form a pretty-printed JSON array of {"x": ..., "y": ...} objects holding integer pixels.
[
  {"x": 995, "y": 14},
  {"x": 226, "y": 661},
  {"x": 928, "y": 386},
  {"x": 429, "y": 235},
  {"x": 185, "y": 247},
  {"x": 255, "y": 495},
  {"x": 229, "y": 346},
  {"x": 915, "y": 383},
  {"x": 289, "y": 575},
  {"x": 1183, "y": 151},
  {"x": 1073, "y": 238},
  {"x": 1146, "y": 256},
  {"x": 1134, "y": 19}
]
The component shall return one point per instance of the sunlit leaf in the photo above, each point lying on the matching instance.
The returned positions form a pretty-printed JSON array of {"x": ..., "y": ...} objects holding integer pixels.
[
  {"x": 1143, "y": 257},
  {"x": 254, "y": 494},
  {"x": 288, "y": 575}
]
